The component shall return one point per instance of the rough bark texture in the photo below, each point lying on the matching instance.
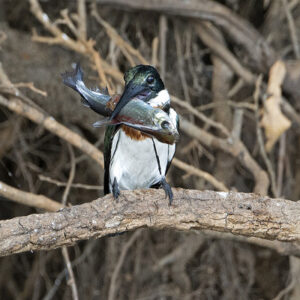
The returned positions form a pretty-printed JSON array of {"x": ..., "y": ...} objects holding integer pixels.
[{"x": 238, "y": 213}]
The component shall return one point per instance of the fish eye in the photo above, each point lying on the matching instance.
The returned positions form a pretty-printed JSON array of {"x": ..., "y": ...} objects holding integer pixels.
[
  {"x": 165, "y": 124},
  {"x": 150, "y": 79}
]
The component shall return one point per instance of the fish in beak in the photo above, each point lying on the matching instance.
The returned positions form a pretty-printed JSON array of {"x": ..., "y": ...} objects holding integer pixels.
[
  {"x": 131, "y": 91},
  {"x": 141, "y": 116}
]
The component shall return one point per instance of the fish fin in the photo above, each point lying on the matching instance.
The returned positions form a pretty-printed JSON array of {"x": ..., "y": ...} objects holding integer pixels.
[
  {"x": 96, "y": 89},
  {"x": 103, "y": 91},
  {"x": 105, "y": 122},
  {"x": 72, "y": 77}
]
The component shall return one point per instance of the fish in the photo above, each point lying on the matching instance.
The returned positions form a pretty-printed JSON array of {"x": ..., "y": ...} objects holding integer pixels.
[
  {"x": 136, "y": 114},
  {"x": 139, "y": 115},
  {"x": 96, "y": 100}
]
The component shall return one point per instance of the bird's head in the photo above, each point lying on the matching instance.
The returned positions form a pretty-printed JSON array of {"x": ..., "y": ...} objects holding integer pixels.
[{"x": 142, "y": 82}]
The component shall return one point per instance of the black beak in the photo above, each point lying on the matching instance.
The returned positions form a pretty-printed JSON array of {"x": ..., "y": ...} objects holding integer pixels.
[{"x": 130, "y": 92}]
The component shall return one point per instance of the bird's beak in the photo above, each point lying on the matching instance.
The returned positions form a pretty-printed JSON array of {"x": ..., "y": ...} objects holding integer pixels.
[{"x": 131, "y": 91}]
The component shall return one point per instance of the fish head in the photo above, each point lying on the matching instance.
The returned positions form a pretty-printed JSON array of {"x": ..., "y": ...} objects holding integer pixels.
[
  {"x": 165, "y": 129},
  {"x": 152, "y": 121}
]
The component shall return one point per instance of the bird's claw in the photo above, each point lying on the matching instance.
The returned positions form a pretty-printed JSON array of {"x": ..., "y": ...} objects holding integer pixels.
[
  {"x": 167, "y": 188},
  {"x": 115, "y": 189}
]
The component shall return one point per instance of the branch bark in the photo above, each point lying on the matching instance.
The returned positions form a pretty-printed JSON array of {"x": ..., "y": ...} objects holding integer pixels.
[{"x": 237, "y": 213}]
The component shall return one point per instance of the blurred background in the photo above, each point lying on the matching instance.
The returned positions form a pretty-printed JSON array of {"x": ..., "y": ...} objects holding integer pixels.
[{"x": 232, "y": 69}]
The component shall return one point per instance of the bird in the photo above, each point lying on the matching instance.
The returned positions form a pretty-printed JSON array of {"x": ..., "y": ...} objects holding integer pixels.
[{"x": 132, "y": 159}]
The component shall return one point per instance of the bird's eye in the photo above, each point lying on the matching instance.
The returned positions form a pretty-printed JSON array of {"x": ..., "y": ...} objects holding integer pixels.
[
  {"x": 150, "y": 79},
  {"x": 165, "y": 124}
]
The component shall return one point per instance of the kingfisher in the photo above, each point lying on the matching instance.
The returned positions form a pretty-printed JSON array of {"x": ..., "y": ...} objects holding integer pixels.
[{"x": 132, "y": 159}]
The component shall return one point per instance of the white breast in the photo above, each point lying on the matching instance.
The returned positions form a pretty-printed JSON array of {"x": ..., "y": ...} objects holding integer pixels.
[{"x": 134, "y": 163}]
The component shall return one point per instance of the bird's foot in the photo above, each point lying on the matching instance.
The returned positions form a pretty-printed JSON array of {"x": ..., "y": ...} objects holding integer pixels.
[
  {"x": 115, "y": 189},
  {"x": 167, "y": 188}
]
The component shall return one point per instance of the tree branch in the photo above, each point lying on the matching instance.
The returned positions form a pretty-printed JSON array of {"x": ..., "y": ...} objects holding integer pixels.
[
  {"x": 25, "y": 110},
  {"x": 237, "y": 213},
  {"x": 234, "y": 147},
  {"x": 240, "y": 31},
  {"x": 38, "y": 201}
]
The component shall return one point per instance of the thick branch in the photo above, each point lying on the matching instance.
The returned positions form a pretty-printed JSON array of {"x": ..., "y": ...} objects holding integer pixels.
[{"x": 238, "y": 213}]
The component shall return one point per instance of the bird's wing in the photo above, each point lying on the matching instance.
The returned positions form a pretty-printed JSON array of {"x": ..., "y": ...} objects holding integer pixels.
[{"x": 108, "y": 139}]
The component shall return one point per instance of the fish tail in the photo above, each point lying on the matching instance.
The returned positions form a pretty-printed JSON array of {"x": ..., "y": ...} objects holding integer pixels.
[{"x": 71, "y": 78}]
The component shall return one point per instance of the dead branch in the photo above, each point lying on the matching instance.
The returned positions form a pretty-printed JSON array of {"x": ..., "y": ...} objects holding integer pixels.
[
  {"x": 219, "y": 185},
  {"x": 220, "y": 85},
  {"x": 292, "y": 28},
  {"x": 238, "y": 213},
  {"x": 260, "y": 55},
  {"x": 240, "y": 31},
  {"x": 71, "y": 281},
  {"x": 200, "y": 115},
  {"x": 163, "y": 30},
  {"x": 206, "y": 34},
  {"x": 81, "y": 45},
  {"x": 38, "y": 201},
  {"x": 282, "y": 248},
  {"x": 73, "y": 185},
  {"x": 234, "y": 147},
  {"x": 23, "y": 109},
  {"x": 114, "y": 277},
  {"x": 124, "y": 46}
]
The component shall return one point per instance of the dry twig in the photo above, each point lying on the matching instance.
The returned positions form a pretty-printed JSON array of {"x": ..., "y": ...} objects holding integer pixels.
[
  {"x": 261, "y": 141},
  {"x": 71, "y": 176},
  {"x": 38, "y": 201},
  {"x": 71, "y": 280},
  {"x": 292, "y": 28},
  {"x": 235, "y": 148},
  {"x": 124, "y": 46},
  {"x": 163, "y": 30},
  {"x": 30, "y": 86},
  {"x": 73, "y": 185},
  {"x": 113, "y": 282},
  {"x": 202, "y": 174},
  {"x": 200, "y": 115},
  {"x": 206, "y": 33}
]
